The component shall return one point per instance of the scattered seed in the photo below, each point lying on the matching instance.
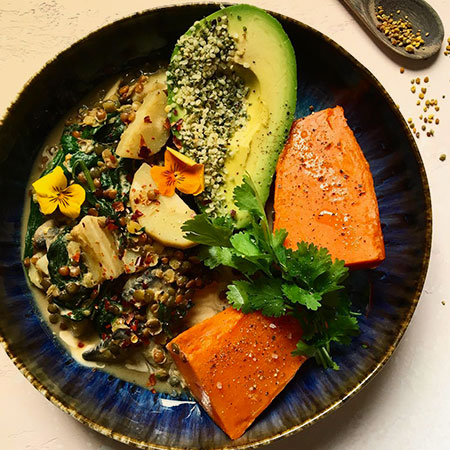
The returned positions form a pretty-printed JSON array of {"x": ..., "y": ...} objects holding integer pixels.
[
  {"x": 402, "y": 70},
  {"x": 443, "y": 157}
]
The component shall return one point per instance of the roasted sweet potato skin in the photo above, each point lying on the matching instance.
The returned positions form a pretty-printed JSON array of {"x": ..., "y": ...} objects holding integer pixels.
[
  {"x": 324, "y": 191},
  {"x": 235, "y": 364}
]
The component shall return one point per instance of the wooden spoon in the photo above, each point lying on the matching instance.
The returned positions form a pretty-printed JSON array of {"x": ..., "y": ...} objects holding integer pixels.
[{"x": 421, "y": 15}]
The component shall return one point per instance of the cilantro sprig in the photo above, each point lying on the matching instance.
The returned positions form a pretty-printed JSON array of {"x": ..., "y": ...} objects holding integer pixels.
[{"x": 305, "y": 283}]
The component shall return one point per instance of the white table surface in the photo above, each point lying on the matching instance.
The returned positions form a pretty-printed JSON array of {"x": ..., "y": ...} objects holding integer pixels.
[{"x": 407, "y": 406}]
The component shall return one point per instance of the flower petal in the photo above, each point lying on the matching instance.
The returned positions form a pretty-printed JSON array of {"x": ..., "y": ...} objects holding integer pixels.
[
  {"x": 192, "y": 180},
  {"x": 71, "y": 199},
  {"x": 49, "y": 185},
  {"x": 164, "y": 179},
  {"x": 172, "y": 156},
  {"x": 47, "y": 204}
]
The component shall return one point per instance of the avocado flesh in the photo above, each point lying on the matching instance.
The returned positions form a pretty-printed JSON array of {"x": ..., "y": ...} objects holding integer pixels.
[{"x": 265, "y": 60}]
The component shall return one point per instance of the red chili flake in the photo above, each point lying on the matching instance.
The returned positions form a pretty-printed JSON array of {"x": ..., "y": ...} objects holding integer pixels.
[
  {"x": 118, "y": 206},
  {"x": 151, "y": 380},
  {"x": 107, "y": 303},
  {"x": 147, "y": 119},
  {"x": 153, "y": 391},
  {"x": 76, "y": 134},
  {"x": 125, "y": 344},
  {"x": 80, "y": 344},
  {"x": 112, "y": 226},
  {"x": 129, "y": 319},
  {"x": 144, "y": 152},
  {"x": 178, "y": 124},
  {"x": 104, "y": 336},
  {"x": 134, "y": 326},
  {"x": 76, "y": 257},
  {"x": 177, "y": 142},
  {"x": 69, "y": 313},
  {"x": 136, "y": 215},
  {"x": 166, "y": 124},
  {"x": 108, "y": 326}
]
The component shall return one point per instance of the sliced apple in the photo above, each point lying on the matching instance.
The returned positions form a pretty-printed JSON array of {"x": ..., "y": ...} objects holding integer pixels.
[
  {"x": 161, "y": 216},
  {"x": 149, "y": 130}
]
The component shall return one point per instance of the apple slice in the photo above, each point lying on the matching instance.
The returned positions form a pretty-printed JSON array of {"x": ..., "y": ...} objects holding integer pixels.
[{"x": 161, "y": 216}]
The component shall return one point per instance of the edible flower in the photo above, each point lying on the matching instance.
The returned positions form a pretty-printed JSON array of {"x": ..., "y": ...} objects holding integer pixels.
[
  {"x": 52, "y": 192},
  {"x": 179, "y": 172}
]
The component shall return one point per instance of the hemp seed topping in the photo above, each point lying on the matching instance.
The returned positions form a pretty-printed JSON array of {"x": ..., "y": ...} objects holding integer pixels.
[{"x": 208, "y": 94}]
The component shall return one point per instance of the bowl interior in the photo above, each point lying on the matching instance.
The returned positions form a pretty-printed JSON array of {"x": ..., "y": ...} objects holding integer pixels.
[{"x": 328, "y": 76}]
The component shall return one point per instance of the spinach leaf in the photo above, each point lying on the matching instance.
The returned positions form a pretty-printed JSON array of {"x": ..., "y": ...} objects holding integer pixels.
[
  {"x": 104, "y": 206},
  {"x": 69, "y": 143},
  {"x": 58, "y": 256},
  {"x": 111, "y": 130},
  {"x": 35, "y": 220},
  {"x": 89, "y": 159}
]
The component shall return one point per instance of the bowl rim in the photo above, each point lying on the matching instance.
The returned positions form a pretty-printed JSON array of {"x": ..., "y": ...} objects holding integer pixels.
[{"x": 405, "y": 322}]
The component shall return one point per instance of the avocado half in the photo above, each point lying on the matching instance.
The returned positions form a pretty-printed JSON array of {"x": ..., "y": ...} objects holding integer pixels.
[{"x": 265, "y": 61}]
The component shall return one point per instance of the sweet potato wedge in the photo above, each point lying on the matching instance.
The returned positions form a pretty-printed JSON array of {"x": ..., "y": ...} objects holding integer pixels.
[
  {"x": 324, "y": 191},
  {"x": 235, "y": 364}
]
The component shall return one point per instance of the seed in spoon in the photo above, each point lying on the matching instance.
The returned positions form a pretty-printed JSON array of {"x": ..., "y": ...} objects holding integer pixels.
[{"x": 400, "y": 32}]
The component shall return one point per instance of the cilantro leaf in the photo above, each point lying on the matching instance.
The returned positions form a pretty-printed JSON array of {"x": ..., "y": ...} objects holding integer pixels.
[
  {"x": 304, "y": 282},
  {"x": 263, "y": 294},
  {"x": 247, "y": 199},
  {"x": 300, "y": 296},
  {"x": 331, "y": 280},
  {"x": 304, "y": 349},
  {"x": 238, "y": 298},
  {"x": 213, "y": 232},
  {"x": 246, "y": 245},
  {"x": 223, "y": 256}
]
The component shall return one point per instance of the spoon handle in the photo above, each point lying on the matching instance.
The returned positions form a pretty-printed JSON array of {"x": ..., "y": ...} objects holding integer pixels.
[{"x": 361, "y": 8}]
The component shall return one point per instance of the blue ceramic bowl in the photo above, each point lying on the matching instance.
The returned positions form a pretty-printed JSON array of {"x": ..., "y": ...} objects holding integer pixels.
[{"x": 328, "y": 76}]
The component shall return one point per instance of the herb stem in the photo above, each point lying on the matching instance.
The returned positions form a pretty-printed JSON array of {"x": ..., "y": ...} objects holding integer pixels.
[{"x": 85, "y": 170}]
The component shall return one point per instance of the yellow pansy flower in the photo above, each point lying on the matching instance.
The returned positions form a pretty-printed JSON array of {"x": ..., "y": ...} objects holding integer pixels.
[
  {"x": 52, "y": 192},
  {"x": 179, "y": 172}
]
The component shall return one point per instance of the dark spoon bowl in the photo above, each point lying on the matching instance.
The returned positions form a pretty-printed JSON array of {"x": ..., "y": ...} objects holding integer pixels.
[
  {"x": 421, "y": 15},
  {"x": 327, "y": 76}
]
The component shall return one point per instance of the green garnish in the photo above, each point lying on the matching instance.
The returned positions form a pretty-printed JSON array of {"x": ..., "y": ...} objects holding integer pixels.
[{"x": 305, "y": 283}]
